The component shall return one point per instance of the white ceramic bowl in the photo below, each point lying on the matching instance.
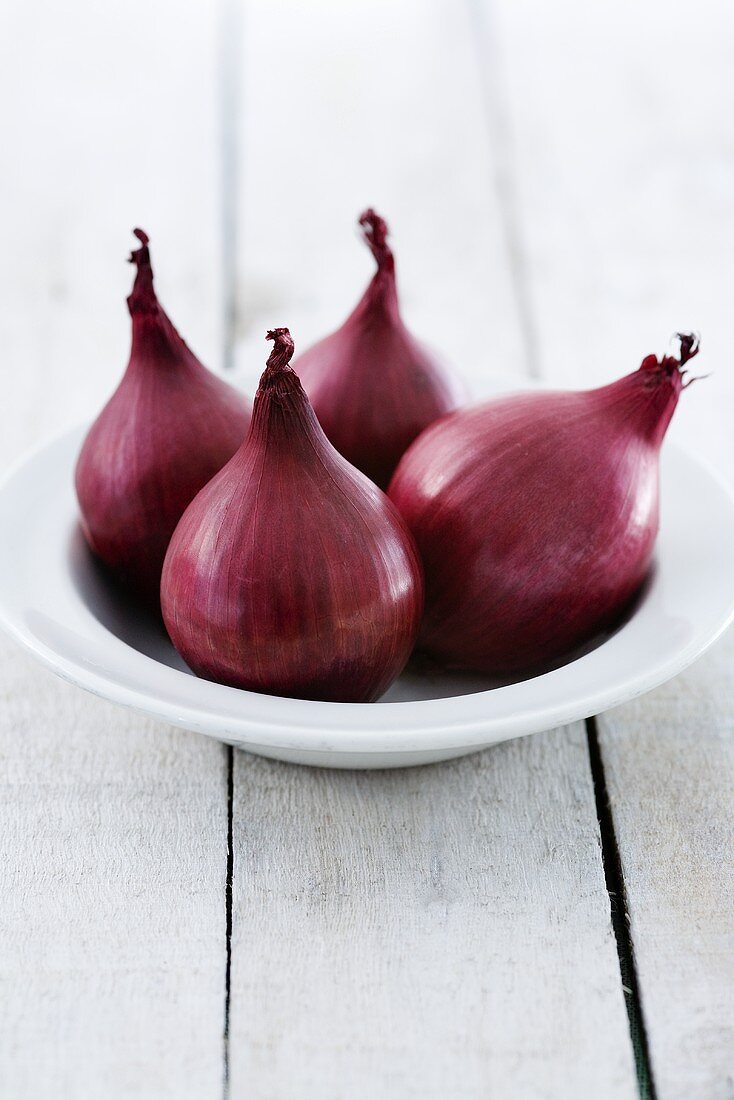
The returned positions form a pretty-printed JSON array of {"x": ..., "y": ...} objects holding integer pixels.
[{"x": 54, "y": 601}]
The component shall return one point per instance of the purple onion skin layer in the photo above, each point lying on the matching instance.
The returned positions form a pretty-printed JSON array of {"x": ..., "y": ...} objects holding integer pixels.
[
  {"x": 373, "y": 387},
  {"x": 164, "y": 433},
  {"x": 291, "y": 573},
  {"x": 536, "y": 517}
]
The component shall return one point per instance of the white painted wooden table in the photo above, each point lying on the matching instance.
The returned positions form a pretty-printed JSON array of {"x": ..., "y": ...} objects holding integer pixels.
[{"x": 550, "y": 919}]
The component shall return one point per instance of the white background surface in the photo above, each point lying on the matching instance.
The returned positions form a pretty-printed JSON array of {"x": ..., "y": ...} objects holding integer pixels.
[{"x": 559, "y": 181}]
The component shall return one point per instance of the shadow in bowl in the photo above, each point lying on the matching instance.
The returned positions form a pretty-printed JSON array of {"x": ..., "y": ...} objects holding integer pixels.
[
  {"x": 421, "y": 681},
  {"x": 115, "y": 609}
]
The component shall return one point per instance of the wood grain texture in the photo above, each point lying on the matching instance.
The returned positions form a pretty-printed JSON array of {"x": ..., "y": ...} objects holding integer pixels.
[
  {"x": 625, "y": 174},
  {"x": 439, "y": 931},
  {"x": 436, "y": 932},
  {"x": 112, "y": 828}
]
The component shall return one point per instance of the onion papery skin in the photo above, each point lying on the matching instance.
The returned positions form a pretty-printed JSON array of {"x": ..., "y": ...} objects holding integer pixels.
[
  {"x": 373, "y": 386},
  {"x": 168, "y": 428},
  {"x": 291, "y": 573},
  {"x": 536, "y": 516}
]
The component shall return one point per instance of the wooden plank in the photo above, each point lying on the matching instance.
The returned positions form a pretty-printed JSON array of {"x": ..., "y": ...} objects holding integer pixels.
[
  {"x": 622, "y": 169},
  {"x": 371, "y": 104},
  {"x": 112, "y": 868},
  {"x": 112, "y": 828},
  {"x": 669, "y": 763},
  {"x": 622, "y": 144},
  {"x": 442, "y": 931},
  {"x": 96, "y": 141},
  {"x": 439, "y": 931}
]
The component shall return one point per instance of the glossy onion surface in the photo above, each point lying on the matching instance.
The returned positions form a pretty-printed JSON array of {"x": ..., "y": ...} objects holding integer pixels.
[
  {"x": 291, "y": 573},
  {"x": 167, "y": 429},
  {"x": 536, "y": 516},
  {"x": 373, "y": 387}
]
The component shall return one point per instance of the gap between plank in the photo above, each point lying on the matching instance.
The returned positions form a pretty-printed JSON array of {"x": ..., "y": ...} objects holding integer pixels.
[
  {"x": 618, "y": 908},
  {"x": 228, "y": 914},
  {"x": 229, "y": 116},
  {"x": 229, "y": 105},
  {"x": 498, "y": 127}
]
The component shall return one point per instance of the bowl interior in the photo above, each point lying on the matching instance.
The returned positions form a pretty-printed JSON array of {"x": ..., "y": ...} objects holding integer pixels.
[{"x": 138, "y": 628}]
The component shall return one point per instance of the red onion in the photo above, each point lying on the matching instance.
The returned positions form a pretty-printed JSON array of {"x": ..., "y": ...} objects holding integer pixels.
[
  {"x": 536, "y": 516},
  {"x": 167, "y": 429},
  {"x": 291, "y": 573},
  {"x": 373, "y": 387}
]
